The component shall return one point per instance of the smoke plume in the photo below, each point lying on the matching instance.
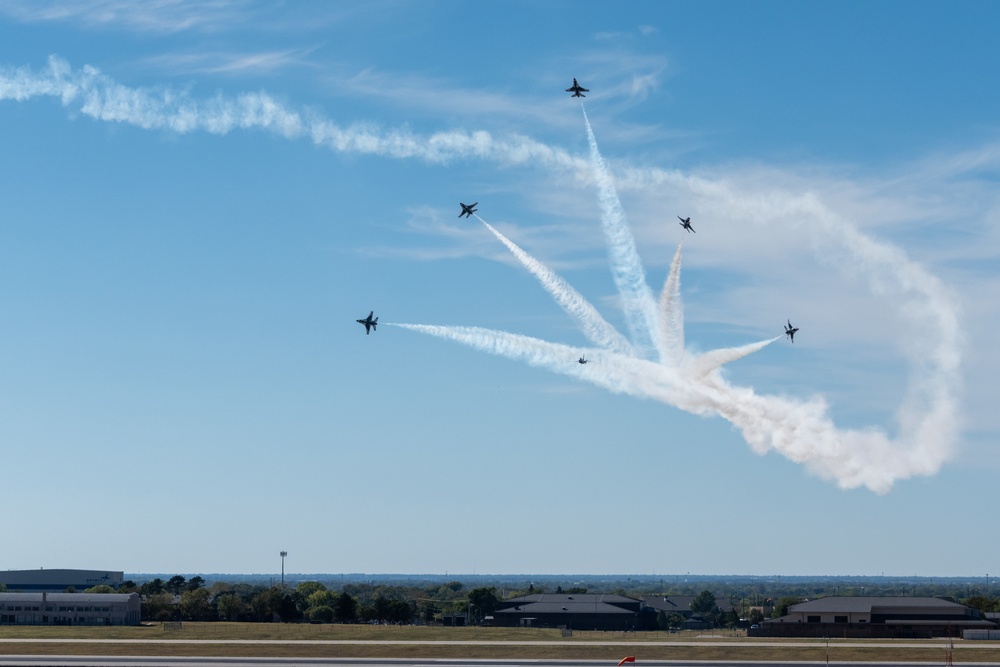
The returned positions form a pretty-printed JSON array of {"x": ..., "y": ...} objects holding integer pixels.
[{"x": 800, "y": 430}]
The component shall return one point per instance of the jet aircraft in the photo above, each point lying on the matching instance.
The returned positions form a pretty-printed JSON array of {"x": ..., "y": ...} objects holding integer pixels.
[
  {"x": 790, "y": 331},
  {"x": 369, "y": 322},
  {"x": 582, "y": 360},
  {"x": 467, "y": 211},
  {"x": 577, "y": 90},
  {"x": 686, "y": 223}
]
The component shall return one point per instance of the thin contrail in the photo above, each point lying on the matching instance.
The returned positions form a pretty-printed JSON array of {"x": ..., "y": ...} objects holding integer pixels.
[{"x": 591, "y": 324}]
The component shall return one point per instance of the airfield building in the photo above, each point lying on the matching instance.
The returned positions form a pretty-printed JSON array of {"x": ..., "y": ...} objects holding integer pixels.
[
  {"x": 875, "y": 617},
  {"x": 58, "y": 580},
  {"x": 69, "y": 609},
  {"x": 579, "y": 611}
]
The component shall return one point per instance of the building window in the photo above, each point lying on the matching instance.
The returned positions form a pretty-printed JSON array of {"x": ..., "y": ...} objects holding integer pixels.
[
  {"x": 812, "y": 619},
  {"x": 840, "y": 619}
]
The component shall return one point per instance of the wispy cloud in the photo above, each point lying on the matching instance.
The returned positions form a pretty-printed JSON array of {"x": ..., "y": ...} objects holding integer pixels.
[
  {"x": 228, "y": 62},
  {"x": 159, "y": 16}
]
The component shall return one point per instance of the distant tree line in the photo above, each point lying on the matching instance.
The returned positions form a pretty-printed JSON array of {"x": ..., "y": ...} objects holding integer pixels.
[{"x": 181, "y": 599}]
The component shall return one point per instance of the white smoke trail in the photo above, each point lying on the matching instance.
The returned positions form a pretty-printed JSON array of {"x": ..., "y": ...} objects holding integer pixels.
[
  {"x": 672, "y": 313},
  {"x": 100, "y": 97},
  {"x": 799, "y": 430},
  {"x": 618, "y": 373},
  {"x": 927, "y": 419},
  {"x": 626, "y": 267},
  {"x": 703, "y": 364},
  {"x": 591, "y": 324}
]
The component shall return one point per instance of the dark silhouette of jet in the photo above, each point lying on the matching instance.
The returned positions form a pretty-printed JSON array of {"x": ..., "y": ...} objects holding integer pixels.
[
  {"x": 577, "y": 90},
  {"x": 582, "y": 360},
  {"x": 467, "y": 211},
  {"x": 368, "y": 322},
  {"x": 686, "y": 224},
  {"x": 790, "y": 331}
]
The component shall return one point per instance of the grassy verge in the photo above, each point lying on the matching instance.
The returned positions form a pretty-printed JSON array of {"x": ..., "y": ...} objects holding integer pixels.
[{"x": 206, "y": 639}]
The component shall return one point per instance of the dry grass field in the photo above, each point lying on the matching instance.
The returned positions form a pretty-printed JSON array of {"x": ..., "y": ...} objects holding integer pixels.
[{"x": 364, "y": 641}]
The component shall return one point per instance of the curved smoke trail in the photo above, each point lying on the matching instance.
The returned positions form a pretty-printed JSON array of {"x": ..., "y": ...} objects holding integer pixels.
[{"x": 800, "y": 430}]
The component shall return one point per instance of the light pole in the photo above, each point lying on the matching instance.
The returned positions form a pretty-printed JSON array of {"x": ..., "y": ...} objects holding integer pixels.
[{"x": 283, "y": 554}]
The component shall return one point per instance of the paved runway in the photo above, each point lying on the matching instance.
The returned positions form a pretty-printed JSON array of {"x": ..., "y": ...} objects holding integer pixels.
[{"x": 138, "y": 661}]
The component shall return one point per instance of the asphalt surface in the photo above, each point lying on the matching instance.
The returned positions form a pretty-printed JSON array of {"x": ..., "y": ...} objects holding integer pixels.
[{"x": 138, "y": 661}]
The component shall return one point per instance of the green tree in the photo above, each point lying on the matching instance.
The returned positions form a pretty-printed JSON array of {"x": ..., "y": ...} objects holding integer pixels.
[
  {"x": 346, "y": 609},
  {"x": 703, "y": 604},
  {"x": 322, "y": 614},
  {"x": 483, "y": 602},
  {"x": 756, "y": 616},
  {"x": 366, "y": 612},
  {"x": 675, "y": 620},
  {"x": 782, "y": 605},
  {"x": 154, "y": 587},
  {"x": 303, "y": 593},
  {"x": 321, "y": 598},
  {"x": 99, "y": 588},
  {"x": 194, "y": 605},
  {"x": 307, "y": 588},
  {"x": 175, "y": 584},
  {"x": 286, "y": 608},
  {"x": 194, "y": 583},
  {"x": 983, "y": 603},
  {"x": 265, "y": 604},
  {"x": 158, "y": 607},
  {"x": 231, "y": 606}
]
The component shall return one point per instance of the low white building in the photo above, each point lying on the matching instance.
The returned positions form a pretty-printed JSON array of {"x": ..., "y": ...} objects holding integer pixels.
[{"x": 69, "y": 609}]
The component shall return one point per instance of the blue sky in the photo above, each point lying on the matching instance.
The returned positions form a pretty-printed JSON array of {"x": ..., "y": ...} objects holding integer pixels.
[{"x": 197, "y": 200}]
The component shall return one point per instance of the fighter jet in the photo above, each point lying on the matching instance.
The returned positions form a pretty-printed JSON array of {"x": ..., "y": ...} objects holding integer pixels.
[
  {"x": 577, "y": 90},
  {"x": 686, "y": 223},
  {"x": 582, "y": 360},
  {"x": 467, "y": 211},
  {"x": 790, "y": 331},
  {"x": 369, "y": 322}
]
